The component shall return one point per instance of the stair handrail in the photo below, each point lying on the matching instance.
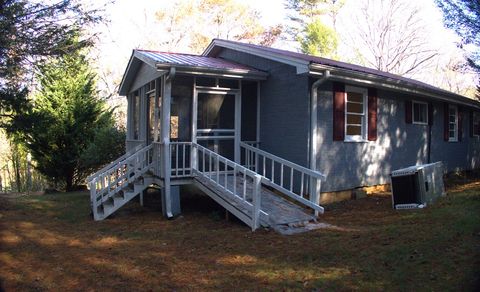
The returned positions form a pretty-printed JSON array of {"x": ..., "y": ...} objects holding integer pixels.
[
  {"x": 103, "y": 186},
  {"x": 115, "y": 162},
  {"x": 94, "y": 191},
  {"x": 315, "y": 177}
]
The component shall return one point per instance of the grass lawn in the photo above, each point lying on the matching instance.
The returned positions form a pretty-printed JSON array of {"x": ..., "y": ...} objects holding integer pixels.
[{"x": 50, "y": 242}]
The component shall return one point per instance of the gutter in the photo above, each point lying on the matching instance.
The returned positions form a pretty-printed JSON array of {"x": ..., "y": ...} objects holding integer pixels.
[
  {"x": 217, "y": 72},
  {"x": 313, "y": 119},
  {"x": 392, "y": 84}
]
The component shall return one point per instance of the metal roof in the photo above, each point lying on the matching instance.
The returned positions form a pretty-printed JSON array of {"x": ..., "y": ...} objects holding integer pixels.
[
  {"x": 188, "y": 60},
  {"x": 310, "y": 63},
  {"x": 186, "y": 64}
]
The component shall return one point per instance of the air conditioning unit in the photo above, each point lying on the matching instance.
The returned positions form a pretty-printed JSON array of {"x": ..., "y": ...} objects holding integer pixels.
[{"x": 417, "y": 186}]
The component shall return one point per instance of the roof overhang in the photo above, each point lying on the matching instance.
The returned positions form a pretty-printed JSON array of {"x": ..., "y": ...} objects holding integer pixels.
[
  {"x": 366, "y": 79},
  {"x": 137, "y": 58}
]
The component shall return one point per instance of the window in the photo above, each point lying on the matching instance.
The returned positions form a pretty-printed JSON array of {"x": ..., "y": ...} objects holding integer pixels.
[
  {"x": 355, "y": 113},
  {"x": 420, "y": 112},
  {"x": 476, "y": 124},
  {"x": 452, "y": 123}
]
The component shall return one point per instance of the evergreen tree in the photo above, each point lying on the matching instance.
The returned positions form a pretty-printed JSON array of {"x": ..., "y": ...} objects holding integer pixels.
[
  {"x": 463, "y": 16},
  {"x": 30, "y": 31},
  {"x": 318, "y": 40},
  {"x": 307, "y": 28},
  {"x": 66, "y": 116}
]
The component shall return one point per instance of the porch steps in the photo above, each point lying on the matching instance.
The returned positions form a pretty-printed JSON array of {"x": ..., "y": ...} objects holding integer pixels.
[
  {"x": 278, "y": 213},
  {"x": 121, "y": 196}
]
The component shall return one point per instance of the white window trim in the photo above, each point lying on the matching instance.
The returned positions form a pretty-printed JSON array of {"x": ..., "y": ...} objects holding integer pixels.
[
  {"x": 454, "y": 139},
  {"x": 363, "y": 137},
  {"x": 413, "y": 112}
]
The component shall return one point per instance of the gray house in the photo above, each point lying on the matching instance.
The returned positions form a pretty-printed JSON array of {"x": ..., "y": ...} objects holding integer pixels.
[{"x": 252, "y": 126}]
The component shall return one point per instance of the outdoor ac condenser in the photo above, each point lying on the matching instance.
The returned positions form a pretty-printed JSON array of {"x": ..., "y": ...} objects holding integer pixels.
[{"x": 417, "y": 186}]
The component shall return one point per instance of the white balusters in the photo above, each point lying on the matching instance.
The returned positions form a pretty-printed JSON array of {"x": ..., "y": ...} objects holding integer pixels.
[{"x": 291, "y": 179}]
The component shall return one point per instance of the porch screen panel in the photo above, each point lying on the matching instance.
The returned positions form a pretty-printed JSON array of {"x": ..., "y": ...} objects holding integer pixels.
[
  {"x": 216, "y": 111},
  {"x": 181, "y": 108},
  {"x": 151, "y": 116},
  {"x": 249, "y": 111}
]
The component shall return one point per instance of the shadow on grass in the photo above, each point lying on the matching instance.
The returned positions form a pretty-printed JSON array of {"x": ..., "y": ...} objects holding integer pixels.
[{"x": 50, "y": 243}]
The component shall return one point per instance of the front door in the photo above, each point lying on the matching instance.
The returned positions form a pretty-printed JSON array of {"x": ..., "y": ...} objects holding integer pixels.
[{"x": 216, "y": 123}]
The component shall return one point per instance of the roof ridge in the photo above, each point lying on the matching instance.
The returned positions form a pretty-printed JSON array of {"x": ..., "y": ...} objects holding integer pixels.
[{"x": 170, "y": 53}]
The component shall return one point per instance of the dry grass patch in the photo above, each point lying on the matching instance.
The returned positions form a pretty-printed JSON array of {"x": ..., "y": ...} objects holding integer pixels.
[{"x": 50, "y": 242}]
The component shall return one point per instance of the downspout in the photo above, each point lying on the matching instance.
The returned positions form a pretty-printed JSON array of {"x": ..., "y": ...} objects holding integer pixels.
[
  {"x": 313, "y": 119},
  {"x": 429, "y": 144},
  {"x": 314, "y": 185}
]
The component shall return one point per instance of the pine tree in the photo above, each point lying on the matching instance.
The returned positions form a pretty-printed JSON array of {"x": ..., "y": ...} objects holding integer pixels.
[
  {"x": 66, "y": 116},
  {"x": 30, "y": 31}
]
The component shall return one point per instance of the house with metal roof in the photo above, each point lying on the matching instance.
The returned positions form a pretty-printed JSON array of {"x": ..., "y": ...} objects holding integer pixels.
[{"x": 267, "y": 132}]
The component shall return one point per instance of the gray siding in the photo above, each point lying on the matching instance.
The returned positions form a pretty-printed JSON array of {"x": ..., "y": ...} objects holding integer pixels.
[
  {"x": 144, "y": 75},
  {"x": 354, "y": 164},
  {"x": 284, "y": 107}
]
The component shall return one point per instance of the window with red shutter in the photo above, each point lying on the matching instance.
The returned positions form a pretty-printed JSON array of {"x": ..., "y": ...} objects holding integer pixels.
[
  {"x": 356, "y": 113},
  {"x": 452, "y": 125},
  {"x": 354, "y": 108}
]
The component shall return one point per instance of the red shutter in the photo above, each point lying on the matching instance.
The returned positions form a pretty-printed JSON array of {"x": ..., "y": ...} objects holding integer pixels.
[
  {"x": 408, "y": 111},
  {"x": 338, "y": 111},
  {"x": 430, "y": 113},
  {"x": 445, "y": 121},
  {"x": 460, "y": 121},
  {"x": 472, "y": 126},
  {"x": 372, "y": 114}
]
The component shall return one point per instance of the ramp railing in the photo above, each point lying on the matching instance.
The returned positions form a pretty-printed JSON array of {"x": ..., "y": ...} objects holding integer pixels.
[{"x": 297, "y": 182}]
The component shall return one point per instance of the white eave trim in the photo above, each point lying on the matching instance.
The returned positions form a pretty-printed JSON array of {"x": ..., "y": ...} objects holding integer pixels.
[
  {"x": 206, "y": 71},
  {"x": 368, "y": 79},
  {"x": 302, "y": 66}
]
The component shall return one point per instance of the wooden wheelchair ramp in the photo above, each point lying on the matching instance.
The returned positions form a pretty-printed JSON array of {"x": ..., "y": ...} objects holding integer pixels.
[
  {"x": 277, "y": 212},
  {"x": 256, "y": 196}
]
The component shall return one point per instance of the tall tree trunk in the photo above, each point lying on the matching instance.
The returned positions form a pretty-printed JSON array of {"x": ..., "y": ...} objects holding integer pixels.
[
  {"x": 16, "y": 168},
  {"x": 69, "y": 181},
  {"x": 29, "y": 172}
]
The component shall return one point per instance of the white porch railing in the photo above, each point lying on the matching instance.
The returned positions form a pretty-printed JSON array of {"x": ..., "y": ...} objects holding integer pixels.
[
  {"x": 225, "y": 175},
  {"x": 108, "y": 182},
  {"x": 299, "y": 183},
  {"x": 180, "y": 159},
  {"x": 180, "y": 156}
]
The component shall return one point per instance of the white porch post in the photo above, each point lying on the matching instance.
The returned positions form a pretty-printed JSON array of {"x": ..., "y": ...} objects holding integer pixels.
[
  {"x": 165, "y": 125},
  {"x": 238, "y": 125},
  {"x": 156, "y": 112},
  {"x": 193, "y": 150}
]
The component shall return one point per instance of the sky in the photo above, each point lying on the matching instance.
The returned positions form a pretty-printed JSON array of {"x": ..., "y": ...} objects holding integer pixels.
[{"x": 133, "y": 22}]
